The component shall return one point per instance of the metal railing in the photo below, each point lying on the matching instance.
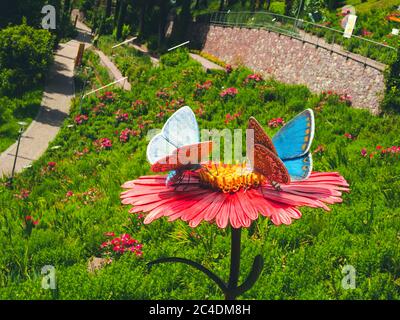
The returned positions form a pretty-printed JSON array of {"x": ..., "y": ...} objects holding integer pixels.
[{"x": 320, "y": 35}]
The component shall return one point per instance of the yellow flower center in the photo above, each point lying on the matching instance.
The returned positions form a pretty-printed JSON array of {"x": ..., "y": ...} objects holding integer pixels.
[{"x": 229, "y": 177}]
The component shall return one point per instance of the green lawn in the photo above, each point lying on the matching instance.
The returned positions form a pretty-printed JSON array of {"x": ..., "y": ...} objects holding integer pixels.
[
  {"x": 368, "y": 5},
  {"x": 25, "y": 109},
  {"x": 76, "y": 200}
]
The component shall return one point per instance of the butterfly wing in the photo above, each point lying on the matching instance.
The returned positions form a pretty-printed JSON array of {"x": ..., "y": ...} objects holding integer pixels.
[
  {"x": 179, "y": 130},
  {"x": 295, "y": 138},
  {"x": 188, "y": 157},
  {"x": 260, "y": 136},
  {"x": 269, "y": 165},
  {"x": 299, "y": 168},
  {"x": 293, "y": 144},
  {"x": 158, "y": 148}
]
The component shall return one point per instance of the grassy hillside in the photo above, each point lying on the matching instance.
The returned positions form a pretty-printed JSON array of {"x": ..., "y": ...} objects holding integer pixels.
[{"x": 64, "y": 207}]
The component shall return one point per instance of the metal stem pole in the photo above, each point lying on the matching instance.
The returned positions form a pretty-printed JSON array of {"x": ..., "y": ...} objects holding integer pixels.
[
  {"x": 21, "y": 130},
  {"x": 235, "y": 264}
]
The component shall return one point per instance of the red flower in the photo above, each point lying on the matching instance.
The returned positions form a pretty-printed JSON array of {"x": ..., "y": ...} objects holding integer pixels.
[
  {"x": 162, "y": 95},
  {"x": 31, "y": 220},
  {"x": 276, "y": 122},
  {"x": 228, "y": 68},
  {"x": 230, "y": 92},
  {"x": 123, "y": 243},
  {"x": 349, "y": 136},
  {"x": 230, "y": 195},
  {"x": 69, "y": 194},
  {"x": 51, "y": 166},
  {"x": 107, "y": 97}
]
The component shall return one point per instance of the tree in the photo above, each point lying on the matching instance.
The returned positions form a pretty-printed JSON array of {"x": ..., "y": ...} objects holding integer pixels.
[
  {"x": 121, "y": 17},
  {"x": 221, "y": 5},
  {"x": 288, "y": 7},
  {"x": 116, "y": 13},
  {"x": 108, "y": 8},
  {"x": 162, "y": 21}
]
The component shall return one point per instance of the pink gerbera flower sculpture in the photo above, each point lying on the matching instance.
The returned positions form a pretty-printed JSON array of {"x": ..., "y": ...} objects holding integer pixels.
[{"x": 275, "y": 181}]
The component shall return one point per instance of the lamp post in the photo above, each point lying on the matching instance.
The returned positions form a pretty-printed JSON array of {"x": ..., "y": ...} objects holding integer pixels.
[{"x": 21, "y": 130}]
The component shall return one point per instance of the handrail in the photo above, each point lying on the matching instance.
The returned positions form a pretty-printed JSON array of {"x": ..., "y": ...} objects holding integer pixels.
[{"x": 294, "y": 25}]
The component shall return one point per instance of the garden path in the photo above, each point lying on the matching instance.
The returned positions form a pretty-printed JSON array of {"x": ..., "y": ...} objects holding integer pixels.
[
  {"x": 207, "y": 64},
  {"x": 57, "y": 95},
  {"x": 113, "y": 70}
]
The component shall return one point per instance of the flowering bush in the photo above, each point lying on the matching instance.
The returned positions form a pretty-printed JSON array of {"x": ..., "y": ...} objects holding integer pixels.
[
  {"x": 276, "y": 122},
  {"x": 51, "y": 166},
  {"x": 125, "y": 134},
  {"x": 120, "y": 245},
  {"x": 228, "y": 93},
  {"x": 201, "y": 88},
  {"x": 229, "y": 117},
  {"x": 23, "y": 195},
  {"x": 107, "y": 97},
  {"x": 383, "y": 152},
  {"x": 81, "y": 118},
  {"x": 253, "y": 79},
  {"x": 349, "y": 136},
  {"x": 103, "y": 143},
  {"x": 99, "y": 108},
  {"x": 162, "y": 95},
  {"x": 121, "y": 116}
]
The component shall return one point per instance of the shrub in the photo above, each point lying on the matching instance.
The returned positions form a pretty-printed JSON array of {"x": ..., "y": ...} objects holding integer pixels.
[{"x": 25, "y": 54}]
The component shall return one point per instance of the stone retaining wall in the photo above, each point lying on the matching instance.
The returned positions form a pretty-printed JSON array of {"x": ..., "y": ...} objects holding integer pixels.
[{"x": 291, "y": 61}]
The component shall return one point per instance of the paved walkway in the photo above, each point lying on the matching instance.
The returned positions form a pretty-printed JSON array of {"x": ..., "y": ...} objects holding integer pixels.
[
  {"x": 207, "y": 64},
  {"x": 155, "y": 61},
  {"x": 58, "y": 92},
  {"x": 113, "y": 70}
]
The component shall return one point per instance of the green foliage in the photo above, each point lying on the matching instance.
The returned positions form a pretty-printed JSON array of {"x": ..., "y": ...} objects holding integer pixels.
[
  {"x": 302, "y": 261},
  {"x": 25, "y": 55}
]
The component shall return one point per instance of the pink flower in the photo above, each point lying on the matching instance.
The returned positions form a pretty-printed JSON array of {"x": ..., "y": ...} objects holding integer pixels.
[
  {"x": 229, "y": 92},
  {"x": 121, "y": 116},
  {"x": 81, "y": 118},
  {"x": 103, "y": 143},
  {"x": 206, "y": 200},
  {"x": 364, "y": 152},
  {"x": 24, "y": 194},
  {"x": 253, "y": 78},
  {"x": 125, "y": 134},
  {"x": 109, "y": 234}
]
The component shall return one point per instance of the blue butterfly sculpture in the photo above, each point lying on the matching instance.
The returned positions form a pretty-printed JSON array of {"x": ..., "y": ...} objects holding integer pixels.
[
  {"x": 287, "y": 156},
  {"x": 177, "y": 148}
]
